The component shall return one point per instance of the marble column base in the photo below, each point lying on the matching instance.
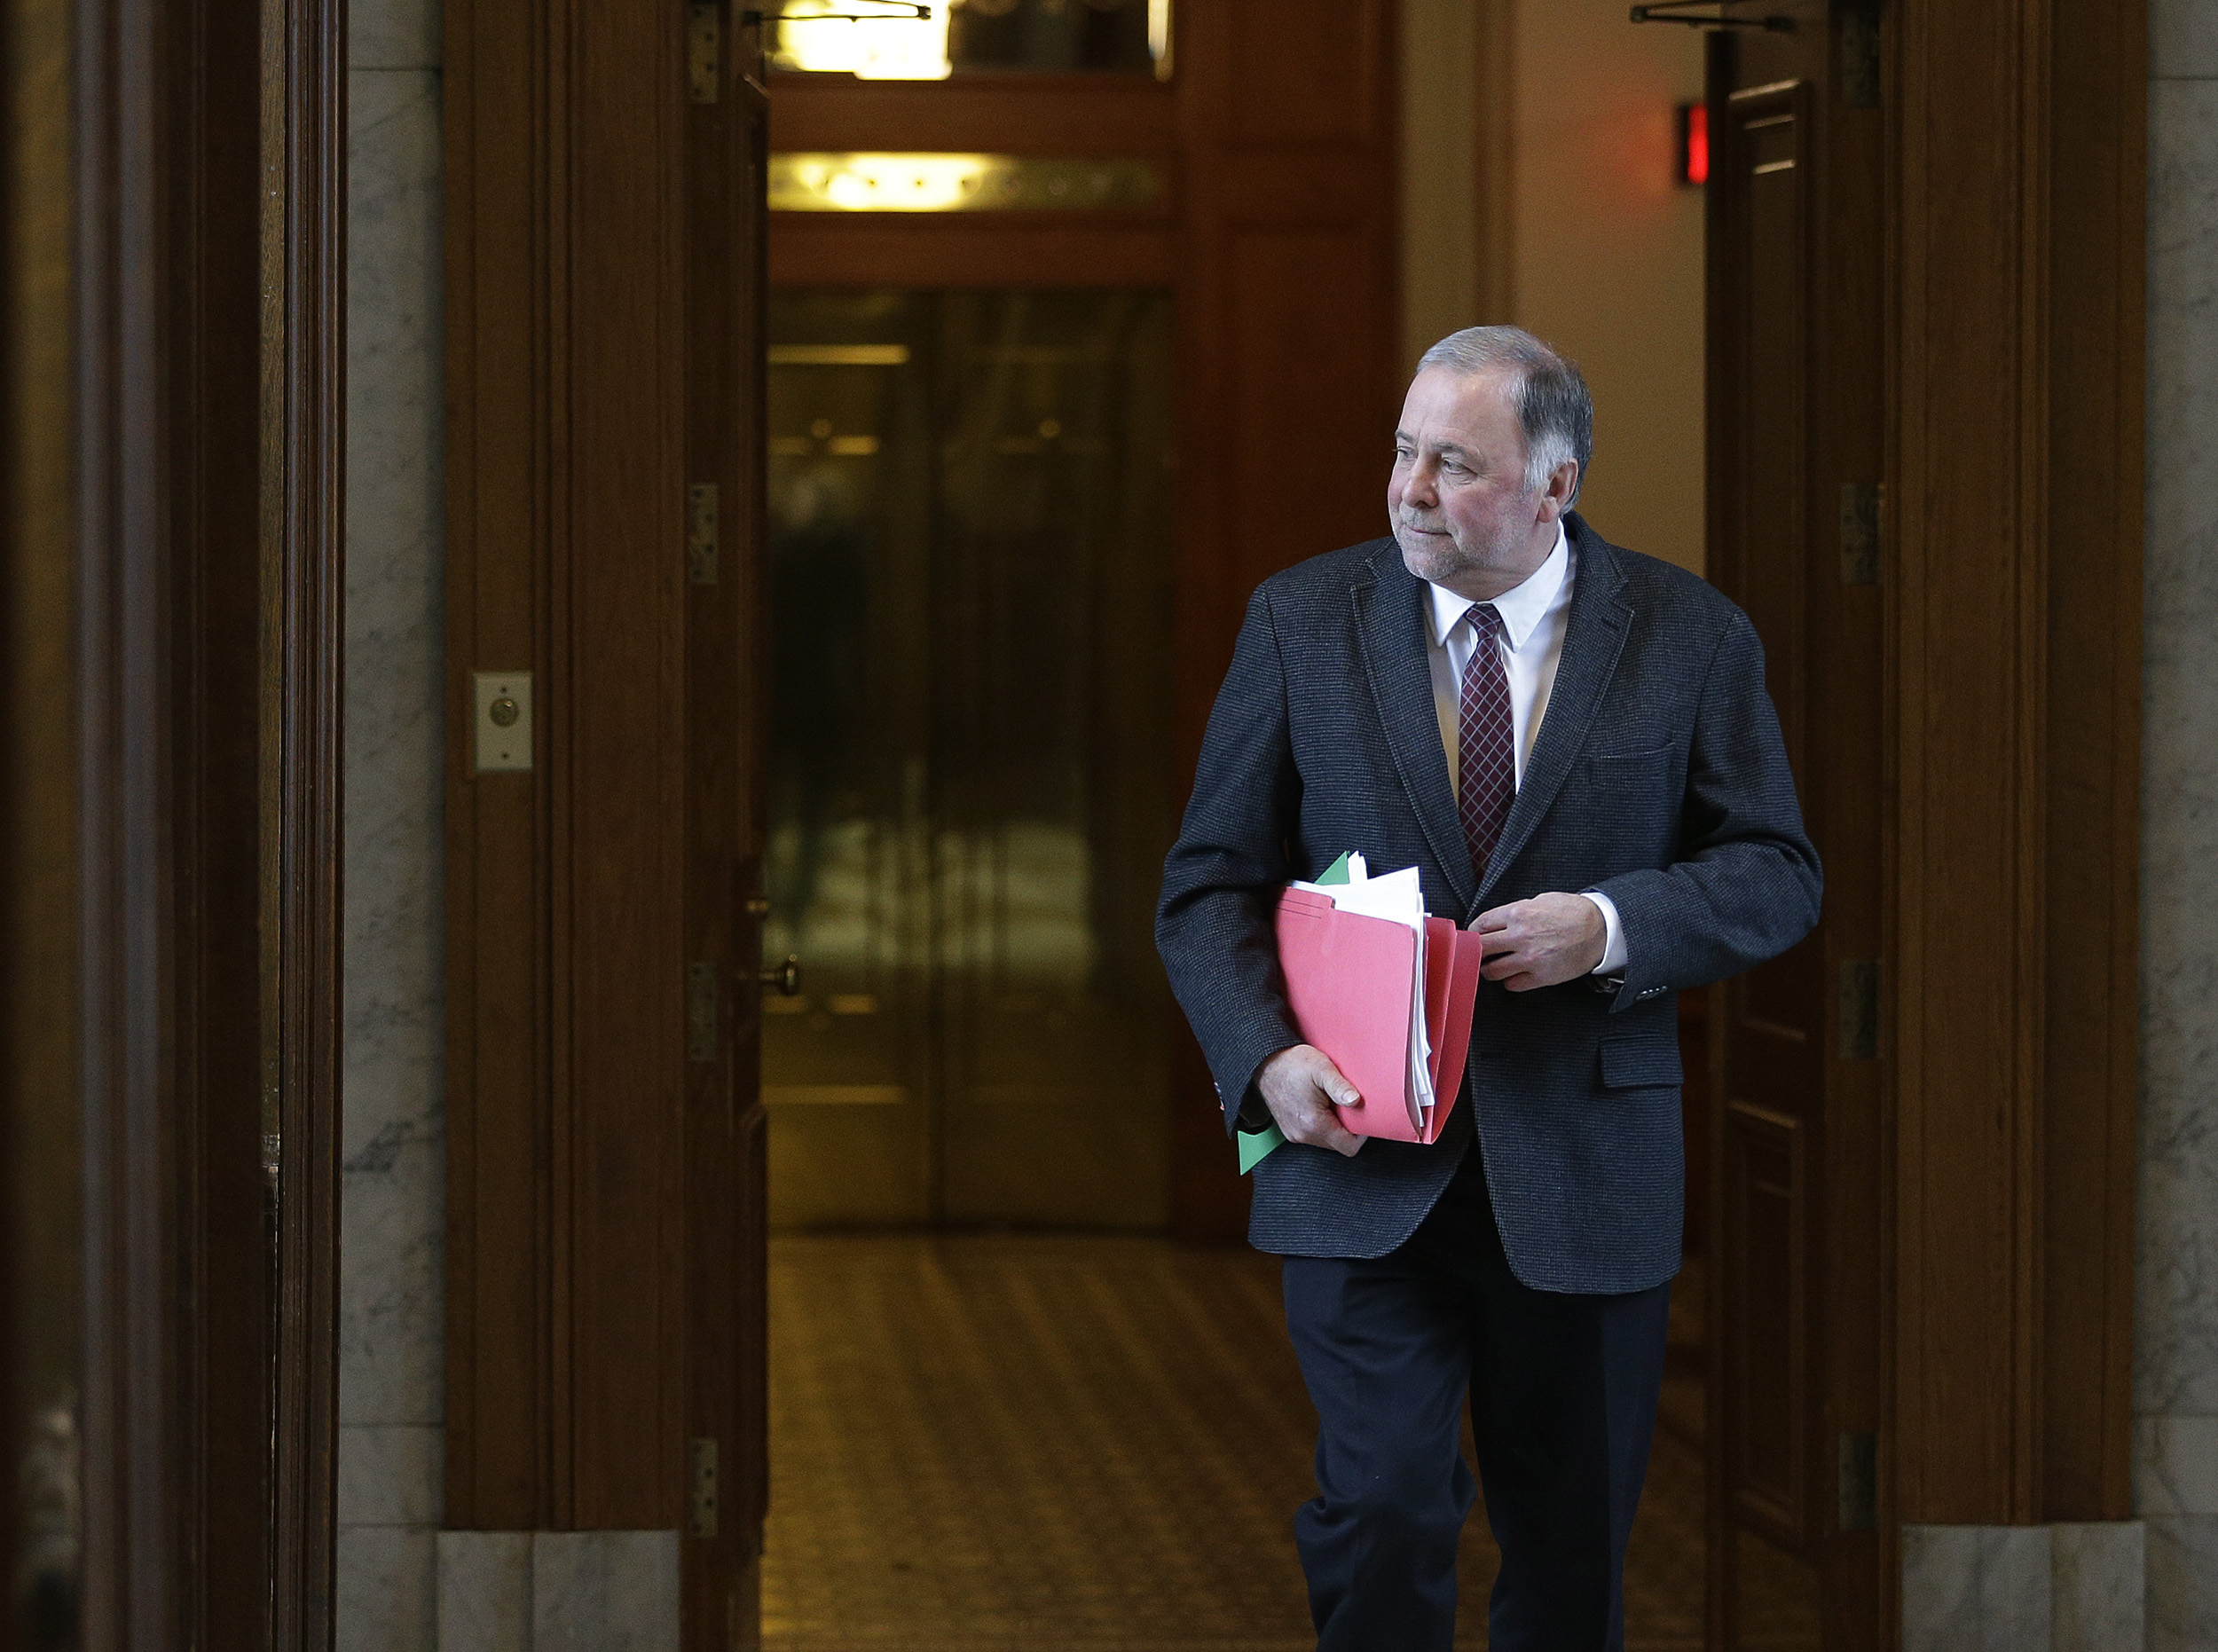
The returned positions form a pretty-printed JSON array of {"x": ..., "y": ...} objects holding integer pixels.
[
  {"x": 384, "y": 1595},
  {"x": 388, "y": 1516},
  {"x": 2061, "y": 1588},
  {"x": 558, "y": 1591},
  {"x": 2183, "y": 1583},
  {"x": 2175, "y": 1489},
  {"x": 2099, "y": 1571}
]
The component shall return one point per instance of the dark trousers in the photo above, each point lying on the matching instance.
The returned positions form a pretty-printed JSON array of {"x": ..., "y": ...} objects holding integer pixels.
[{"x": 1562, "y": 1392}]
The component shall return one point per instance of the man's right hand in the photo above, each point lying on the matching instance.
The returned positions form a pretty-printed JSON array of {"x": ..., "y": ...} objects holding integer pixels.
[{"x": 1300, "y": 1085}]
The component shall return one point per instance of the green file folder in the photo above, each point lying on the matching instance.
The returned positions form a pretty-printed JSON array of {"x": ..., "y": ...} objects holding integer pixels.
[{"x": 1257, "y": 1146}]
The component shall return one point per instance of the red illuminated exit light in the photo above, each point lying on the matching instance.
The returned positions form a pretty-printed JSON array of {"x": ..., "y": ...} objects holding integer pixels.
[{"x": 1694, "y": 143}]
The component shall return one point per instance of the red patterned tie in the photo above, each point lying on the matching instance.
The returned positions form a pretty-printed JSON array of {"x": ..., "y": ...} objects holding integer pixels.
[{"x": 1486, "y": 763}]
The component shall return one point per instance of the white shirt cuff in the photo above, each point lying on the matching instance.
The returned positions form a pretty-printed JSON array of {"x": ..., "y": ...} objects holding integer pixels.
[{"x": 1614, "y": 944}]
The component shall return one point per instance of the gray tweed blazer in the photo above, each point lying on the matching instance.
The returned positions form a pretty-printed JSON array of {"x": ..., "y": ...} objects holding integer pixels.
[{"x": 1658, "y": 778}]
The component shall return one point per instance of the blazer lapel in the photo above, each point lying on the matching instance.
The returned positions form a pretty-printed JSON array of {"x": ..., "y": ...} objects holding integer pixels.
[
  {"x": 1390, "y": 626},
  {"x": 1593, "y": 638}
]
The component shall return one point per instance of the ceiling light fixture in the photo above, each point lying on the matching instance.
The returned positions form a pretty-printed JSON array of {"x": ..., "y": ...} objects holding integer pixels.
[
  {"x": 910, "y": 43},
  {"x": 1685, "y": 11}
]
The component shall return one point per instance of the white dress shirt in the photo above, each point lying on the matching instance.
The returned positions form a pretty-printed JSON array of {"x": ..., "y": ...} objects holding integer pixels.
[{"x": 1531, "y": 645}]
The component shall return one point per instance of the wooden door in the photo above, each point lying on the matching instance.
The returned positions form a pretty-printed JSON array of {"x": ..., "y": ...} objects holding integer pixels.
[
  {"x": 1796, "y": 514},
  {"x": 605, "y": 193}
]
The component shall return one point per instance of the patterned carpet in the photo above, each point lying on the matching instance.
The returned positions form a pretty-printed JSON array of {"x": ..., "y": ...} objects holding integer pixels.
[{"x": 972, "y": 1436}]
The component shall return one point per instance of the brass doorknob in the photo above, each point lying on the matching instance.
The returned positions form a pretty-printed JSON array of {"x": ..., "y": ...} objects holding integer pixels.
[{"x": 785, "y": 977}]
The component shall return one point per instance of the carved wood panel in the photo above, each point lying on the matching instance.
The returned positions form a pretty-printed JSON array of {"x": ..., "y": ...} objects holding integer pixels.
[
  {"x": 1974, "y": 547},
  {"x": 1765, "y": 1283},
  {"x": 2017, "y": 352},
  {"x": 2091, "y": 750},
  {"x": 615, "y": 774},
  {"x": 1772, "y": 1044}
]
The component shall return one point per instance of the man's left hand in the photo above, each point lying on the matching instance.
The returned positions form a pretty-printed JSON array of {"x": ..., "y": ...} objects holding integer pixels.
[{"x": 1541, "y": 942}]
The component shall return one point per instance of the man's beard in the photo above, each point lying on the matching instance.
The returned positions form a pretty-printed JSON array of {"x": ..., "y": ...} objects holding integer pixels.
[{"x": 1438, "y": 557}]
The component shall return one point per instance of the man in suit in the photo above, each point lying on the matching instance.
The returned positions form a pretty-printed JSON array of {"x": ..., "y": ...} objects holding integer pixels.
[{"x": 1574, "y": 746}]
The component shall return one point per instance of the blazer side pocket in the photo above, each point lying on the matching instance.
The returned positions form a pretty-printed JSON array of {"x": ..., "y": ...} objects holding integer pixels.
[{"x": 1640, "y": 1063}]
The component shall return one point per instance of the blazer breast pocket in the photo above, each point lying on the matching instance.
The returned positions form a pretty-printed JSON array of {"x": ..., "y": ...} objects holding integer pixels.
[
  {"x": 1622, "y": 770},
  {"x": 1640, "y": 1063}
]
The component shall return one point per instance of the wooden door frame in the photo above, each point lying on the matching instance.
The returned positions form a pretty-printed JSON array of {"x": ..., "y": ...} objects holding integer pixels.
[
  {"x": 304, "y": 345},
  {"x": 196, "y": 215},
  {"x": 727, "y": 1308},
  {"x": 2014, "y": 198},
  {"x": 604, "y": 1260}
]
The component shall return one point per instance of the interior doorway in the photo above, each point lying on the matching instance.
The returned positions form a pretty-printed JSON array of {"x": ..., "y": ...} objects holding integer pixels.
[
  {"x": 970, "y": 709},
  {"x": 957, "y": 811}
]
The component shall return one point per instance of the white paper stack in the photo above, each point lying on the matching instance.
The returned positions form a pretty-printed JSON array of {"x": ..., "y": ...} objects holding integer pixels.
[{"x": 1400, "y": 899}]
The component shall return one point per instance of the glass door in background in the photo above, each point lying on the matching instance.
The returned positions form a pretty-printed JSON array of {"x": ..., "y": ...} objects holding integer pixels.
[{"x": 970, "y": 566}]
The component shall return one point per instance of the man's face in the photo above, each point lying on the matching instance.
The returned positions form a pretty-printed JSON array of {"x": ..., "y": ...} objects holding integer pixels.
[{"x": 1457, "y": 497}]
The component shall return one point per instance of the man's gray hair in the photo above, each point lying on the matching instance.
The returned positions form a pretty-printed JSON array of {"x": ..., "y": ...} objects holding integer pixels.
[{"x": 1554, "y": 407}]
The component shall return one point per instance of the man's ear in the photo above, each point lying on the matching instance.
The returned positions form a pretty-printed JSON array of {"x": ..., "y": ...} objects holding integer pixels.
[{"x": 1564, "y": 486}]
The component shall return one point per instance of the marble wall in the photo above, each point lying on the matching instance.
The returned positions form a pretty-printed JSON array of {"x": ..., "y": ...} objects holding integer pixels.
[
  {"x": 392, "y": 1377},
  {"x": 2176, "y": 1375}
]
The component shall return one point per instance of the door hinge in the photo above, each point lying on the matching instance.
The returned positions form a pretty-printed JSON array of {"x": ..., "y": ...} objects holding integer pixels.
[
  {"x": 1863, "y": 520},
  {"x": 1859, "y": 1480},
  {"x": 1859, "y": 53},
  {"x": 705, "y": 1011},
  {"x": 1860, "y": 1009},
  {"x": 704, "y": 51},
  {"x": 701, "y": 552},
  {"x": 701, "y": 1501}
]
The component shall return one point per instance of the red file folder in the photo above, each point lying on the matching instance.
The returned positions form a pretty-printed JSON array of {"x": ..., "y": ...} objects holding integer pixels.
[{"x": 1349, "y": 980}]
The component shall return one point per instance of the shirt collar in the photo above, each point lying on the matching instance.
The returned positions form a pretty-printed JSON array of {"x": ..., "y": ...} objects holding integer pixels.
[{"x": 1521, "y": 607}]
